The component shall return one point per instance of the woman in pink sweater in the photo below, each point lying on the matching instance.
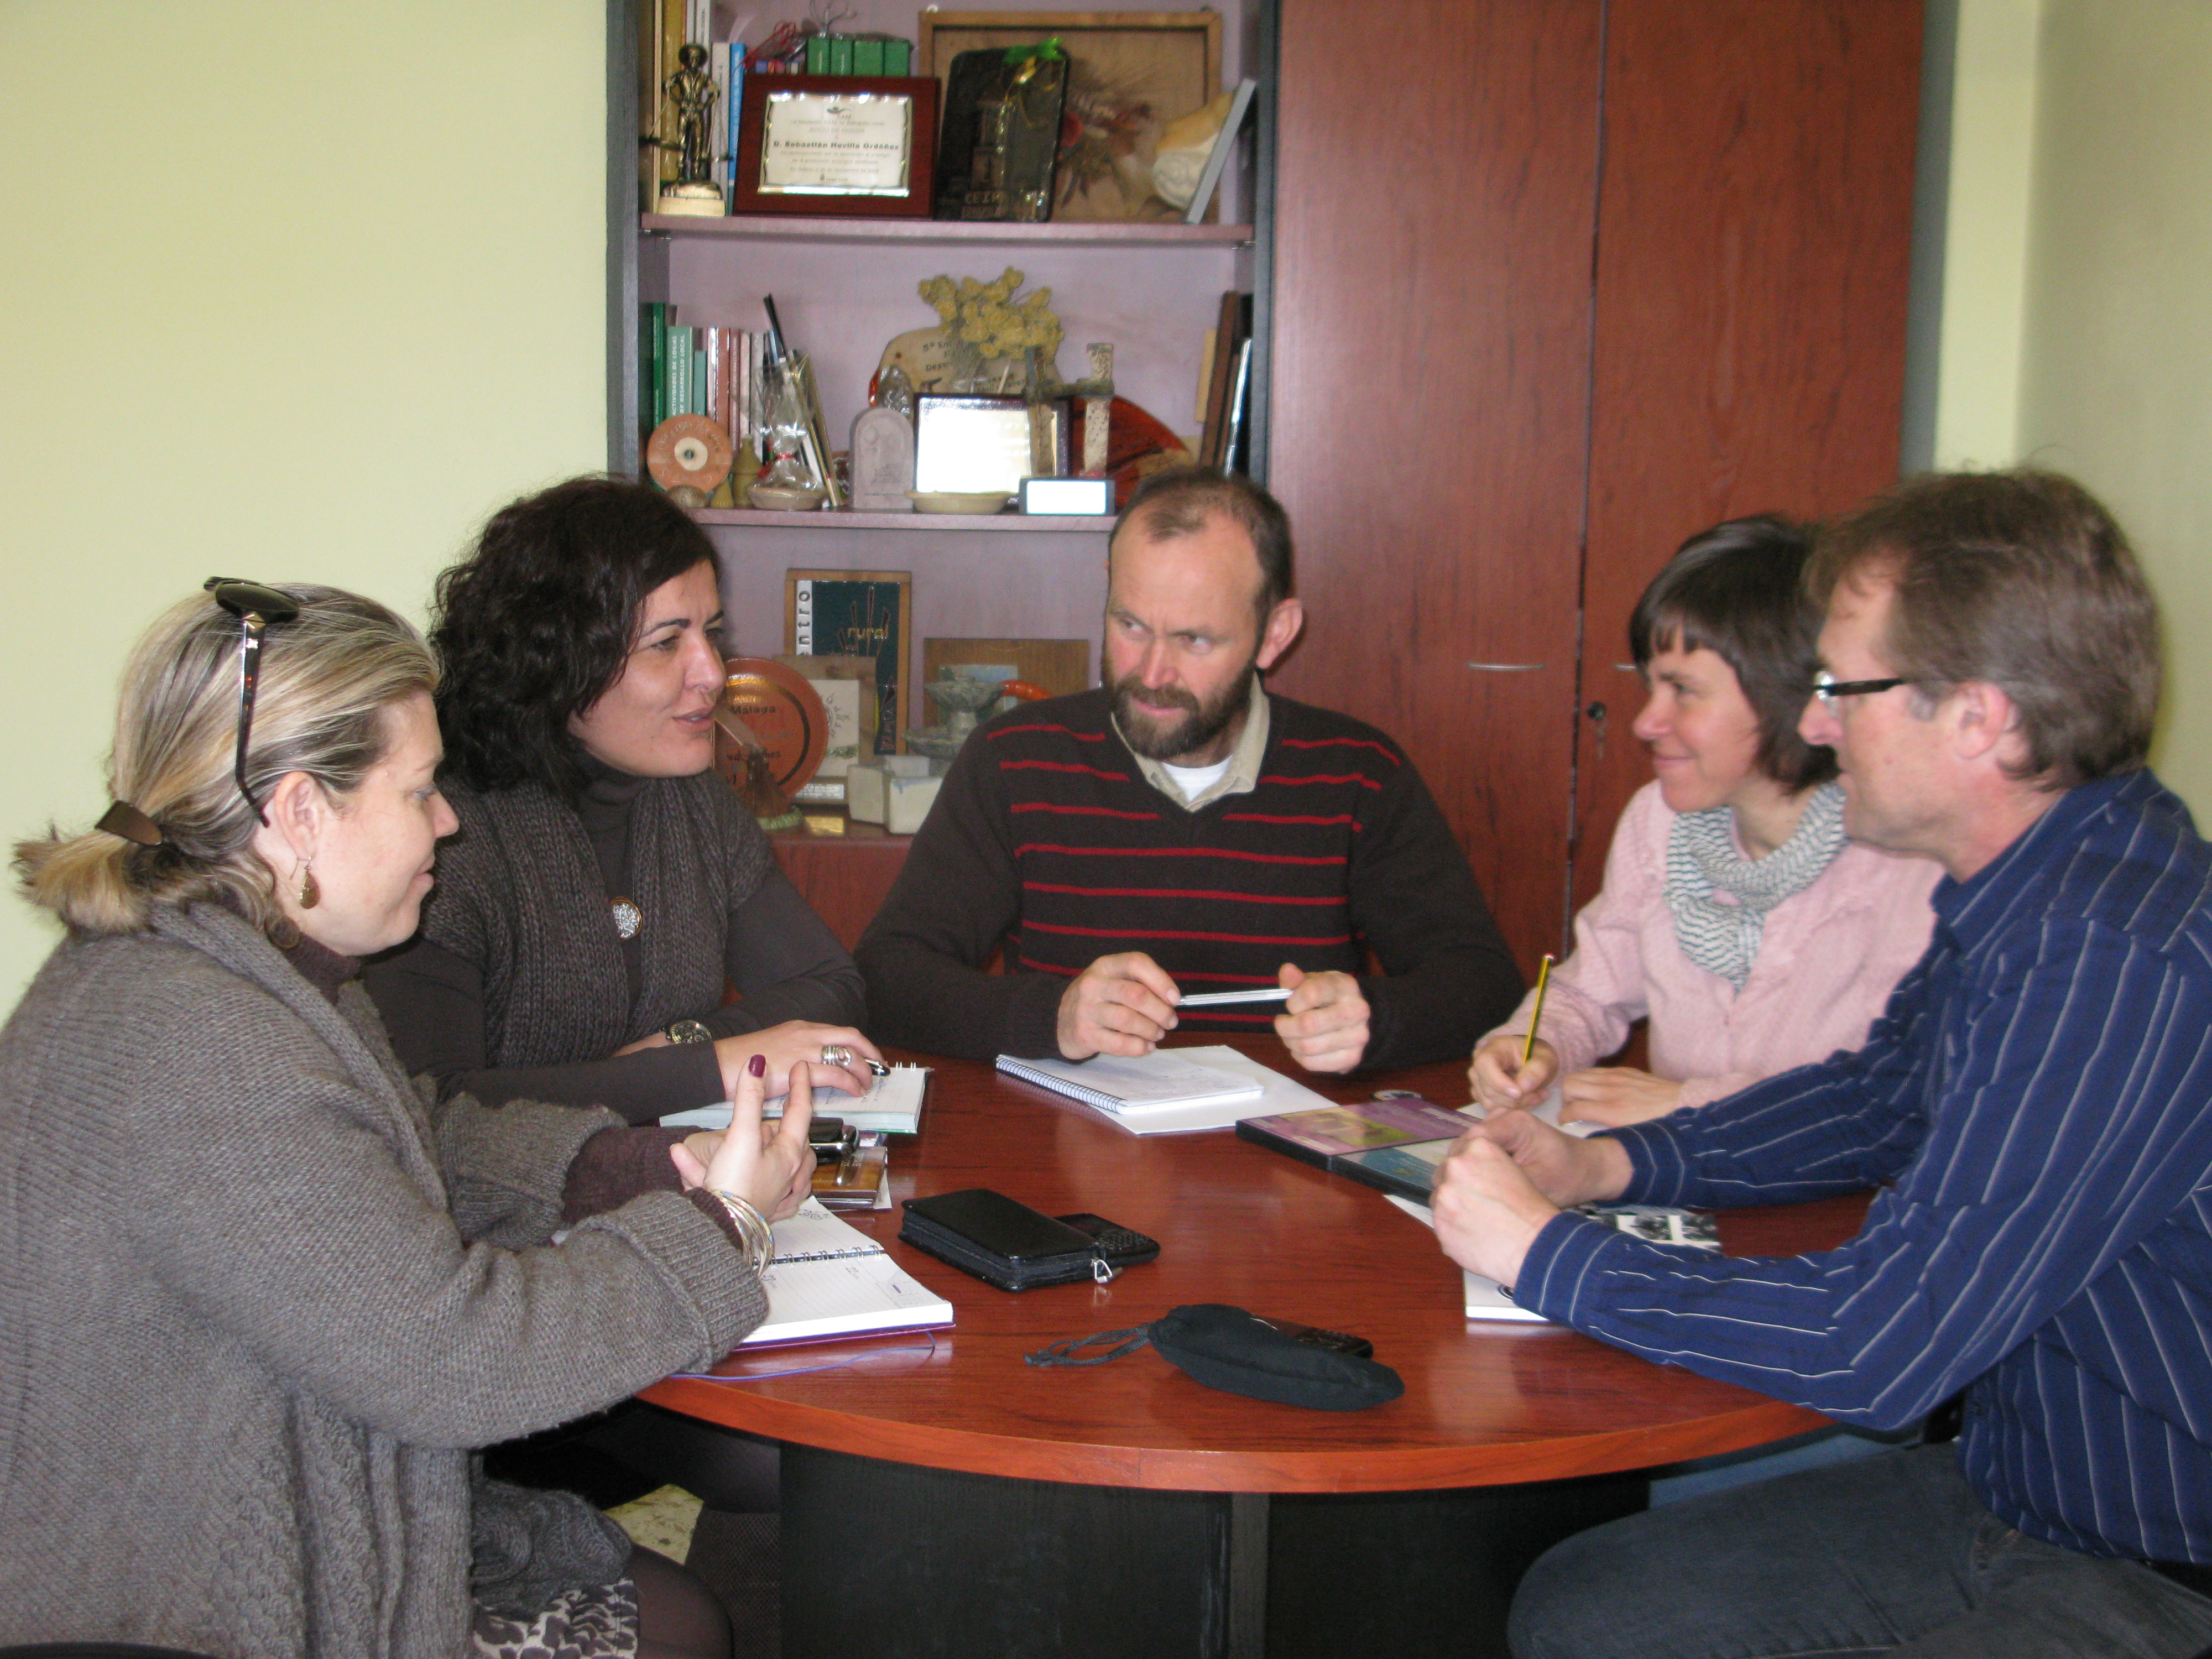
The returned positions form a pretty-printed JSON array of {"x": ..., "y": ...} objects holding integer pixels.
[{"x": 1735, "y": 915}]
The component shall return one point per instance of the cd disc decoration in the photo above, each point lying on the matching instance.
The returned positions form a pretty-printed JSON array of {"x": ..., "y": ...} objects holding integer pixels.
[
  {"x": 689, "y": 452},
  {"x": 785, "y": 715}
]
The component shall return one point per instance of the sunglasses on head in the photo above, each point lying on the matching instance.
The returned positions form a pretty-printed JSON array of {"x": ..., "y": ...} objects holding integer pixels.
[{"x": 257, "y": 609}]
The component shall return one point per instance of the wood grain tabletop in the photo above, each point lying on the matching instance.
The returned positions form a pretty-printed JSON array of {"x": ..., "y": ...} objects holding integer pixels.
[{"x": 1485, "y": 1402}]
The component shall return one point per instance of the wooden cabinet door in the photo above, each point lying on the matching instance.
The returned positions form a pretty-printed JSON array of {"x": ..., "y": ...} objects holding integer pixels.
[
  {"x": 1753, "y": 230},
  {"x": 1556, "y": 284},
  {"x": 1436, "y": 180}
]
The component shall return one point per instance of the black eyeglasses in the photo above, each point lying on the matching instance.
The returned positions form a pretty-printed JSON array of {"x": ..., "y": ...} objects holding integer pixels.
[
  {"x": 257, "y": 609},
  {"x": 1827, "y": 688}
]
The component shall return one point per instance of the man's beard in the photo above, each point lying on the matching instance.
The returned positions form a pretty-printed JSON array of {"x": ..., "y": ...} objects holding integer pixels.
[{"x": 1148, "y": 735}]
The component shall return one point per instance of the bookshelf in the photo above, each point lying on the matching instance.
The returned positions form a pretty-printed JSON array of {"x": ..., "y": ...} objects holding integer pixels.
[
  {"x": 845, "y": 287},
  {"x": 949, "y": 233}
]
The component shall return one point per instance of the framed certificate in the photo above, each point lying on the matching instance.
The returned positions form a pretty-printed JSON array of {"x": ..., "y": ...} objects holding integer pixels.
[
  {"x": 836, "y": 145},
  {"x": 859, "y": 613}
]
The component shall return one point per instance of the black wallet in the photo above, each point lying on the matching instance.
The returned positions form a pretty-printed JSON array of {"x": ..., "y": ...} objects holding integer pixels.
[{"x": 1005, "y": 1242}]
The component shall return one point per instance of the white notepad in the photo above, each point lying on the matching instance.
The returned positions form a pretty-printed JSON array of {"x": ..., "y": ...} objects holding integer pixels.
[
  {"x": 892, "y": 1104},
  {"x": 829, "y": 1279},
  {"x": 1270, "y": 1091},
  {"x": 1164, "y": 1078}
]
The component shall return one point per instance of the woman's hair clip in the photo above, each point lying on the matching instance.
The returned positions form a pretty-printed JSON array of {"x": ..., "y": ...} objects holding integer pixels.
[{"x": 121, "y": 818}]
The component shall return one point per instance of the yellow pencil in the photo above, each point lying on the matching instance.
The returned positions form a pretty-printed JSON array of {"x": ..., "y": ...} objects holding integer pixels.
[{"x": 1543, "y": 978}]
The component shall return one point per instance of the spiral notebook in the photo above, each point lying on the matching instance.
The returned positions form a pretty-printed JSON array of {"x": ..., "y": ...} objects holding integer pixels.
[
  {"x": 828, "y": 1279},
  {"x": 1147, "y": 1083},
  {"x": 892, "y": 1105}
]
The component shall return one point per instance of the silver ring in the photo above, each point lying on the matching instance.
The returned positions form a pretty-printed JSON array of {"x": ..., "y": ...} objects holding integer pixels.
[{"x": 836, "y": 1054}]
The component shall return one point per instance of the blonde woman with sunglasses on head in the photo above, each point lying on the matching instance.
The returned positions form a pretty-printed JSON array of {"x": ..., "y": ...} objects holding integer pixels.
[{"x": 259, "y": 1296}]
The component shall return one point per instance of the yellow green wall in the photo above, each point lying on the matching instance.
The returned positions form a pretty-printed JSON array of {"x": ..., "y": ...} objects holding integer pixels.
[
  {"x": 288, "y": 293},
  {"x": 2116, "y": 381},
  {"x": 1985, "y": 232},
  {"x": 2075, "y": 332}
]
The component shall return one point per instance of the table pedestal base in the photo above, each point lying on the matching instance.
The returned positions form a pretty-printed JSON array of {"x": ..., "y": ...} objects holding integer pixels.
[{"x": 887, "y": 1559}]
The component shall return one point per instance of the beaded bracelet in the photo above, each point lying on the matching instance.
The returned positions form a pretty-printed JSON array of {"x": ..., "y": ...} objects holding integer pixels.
[{"x": 752, "y": 1227}]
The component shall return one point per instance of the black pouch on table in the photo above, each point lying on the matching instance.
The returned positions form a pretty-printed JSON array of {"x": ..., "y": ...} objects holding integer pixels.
[{"x": 1239, "y": 1352}]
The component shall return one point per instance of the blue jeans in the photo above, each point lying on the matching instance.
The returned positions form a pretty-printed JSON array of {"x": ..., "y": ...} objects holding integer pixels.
[{"x": 1890, "y": 1555}]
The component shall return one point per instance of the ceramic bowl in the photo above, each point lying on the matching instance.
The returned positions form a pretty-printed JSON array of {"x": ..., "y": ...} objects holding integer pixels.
[
  {"x": 984, "y": 501},
  {"x": 784, "y": 498}
]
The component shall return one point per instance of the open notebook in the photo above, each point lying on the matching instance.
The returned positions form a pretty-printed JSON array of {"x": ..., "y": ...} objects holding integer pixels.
[
  {"x": 829, "y": 1280},
  {"x": 892, "y": 1105},
  {"x": 1237, "y": 1087}
]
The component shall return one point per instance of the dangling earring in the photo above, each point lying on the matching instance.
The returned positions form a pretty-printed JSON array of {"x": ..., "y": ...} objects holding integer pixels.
[{"x": 310, "y": 894}]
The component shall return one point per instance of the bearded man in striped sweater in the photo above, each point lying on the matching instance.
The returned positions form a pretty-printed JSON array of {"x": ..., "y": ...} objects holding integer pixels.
[
  {"x": 2034, "y": 1107},
  {"x": 1181, "y": 830}
]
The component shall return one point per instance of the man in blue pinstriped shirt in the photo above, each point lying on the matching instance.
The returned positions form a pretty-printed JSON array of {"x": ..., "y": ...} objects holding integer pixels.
[{"x": 2034, "y": 1104}]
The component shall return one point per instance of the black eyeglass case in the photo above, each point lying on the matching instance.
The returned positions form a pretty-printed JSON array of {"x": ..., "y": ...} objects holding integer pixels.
[{"x": 1006, "y": 1243}]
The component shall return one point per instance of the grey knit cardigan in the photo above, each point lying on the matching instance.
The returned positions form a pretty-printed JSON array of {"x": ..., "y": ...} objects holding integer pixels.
[
  {"x": 258, "y": 1299},
  {"x": 519, "y": 895}
]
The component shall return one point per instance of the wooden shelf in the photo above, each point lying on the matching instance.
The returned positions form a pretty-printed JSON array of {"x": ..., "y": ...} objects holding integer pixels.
[
  {"x": 853, "y": 834},
  {"x": 761, "y": 227},
  {"x": 1018, "y": 523}
]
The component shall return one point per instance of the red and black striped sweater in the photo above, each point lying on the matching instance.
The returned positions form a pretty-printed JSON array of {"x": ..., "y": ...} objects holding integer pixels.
[{"x": 1046, "y": 836}]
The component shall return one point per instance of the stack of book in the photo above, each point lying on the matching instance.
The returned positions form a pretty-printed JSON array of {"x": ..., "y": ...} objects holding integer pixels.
[
  {"x": 858, "y": 54},
  {"x": 714, "y": 371}
]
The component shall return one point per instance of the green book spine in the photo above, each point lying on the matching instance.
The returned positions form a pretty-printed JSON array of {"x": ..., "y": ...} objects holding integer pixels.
[
  {"x": 840, "y": 54},
  {"x": 679, "y": 372},
  {"x": 898, "y": 56},
  {"x": 867, "y": 58},
  {"x": 698, "y": 404},
  {"x": 652, "y": 348},
  {"x": 817, "y": 54}
]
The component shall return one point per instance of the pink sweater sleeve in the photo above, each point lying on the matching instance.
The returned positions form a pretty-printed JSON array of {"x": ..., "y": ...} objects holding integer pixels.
[
  {"x": 1829, "y": 959},
  {"x": 1598, "y": 992}
]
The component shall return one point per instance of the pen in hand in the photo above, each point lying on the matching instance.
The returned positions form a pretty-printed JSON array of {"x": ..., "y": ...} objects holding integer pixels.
[
  {"x": 1223, "y": 999},
  {"x": 1536, "y": 1014}
]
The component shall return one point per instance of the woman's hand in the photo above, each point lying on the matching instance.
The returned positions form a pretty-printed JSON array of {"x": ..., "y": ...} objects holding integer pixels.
[
  {"x": 799, "y": 1043},
  {"x": 771, "y": 1170},
  {"x": 1500, "y": 1081},
  {"x": 1616, "y": 1095}
]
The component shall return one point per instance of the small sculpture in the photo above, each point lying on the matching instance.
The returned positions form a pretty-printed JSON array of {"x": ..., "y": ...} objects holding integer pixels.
[
  {"x": 691, "y": 92},
  {"x": 962, "y": 697},
  {"x": 1097, "y": 395},
  {"x": 882, "y": 461}
]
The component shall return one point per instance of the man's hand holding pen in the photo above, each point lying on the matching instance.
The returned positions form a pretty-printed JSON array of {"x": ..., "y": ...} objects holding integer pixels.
[{"x": 1123, "y": 1003}]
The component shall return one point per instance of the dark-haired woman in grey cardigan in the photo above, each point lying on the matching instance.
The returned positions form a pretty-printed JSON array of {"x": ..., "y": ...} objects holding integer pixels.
[
  {"x": 258, "y": 1297},
  {"x": 606, "y": 885}
]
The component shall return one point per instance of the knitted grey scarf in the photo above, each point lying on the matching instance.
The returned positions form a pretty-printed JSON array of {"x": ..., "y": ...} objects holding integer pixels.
[{"x": 1720, "y": 898}]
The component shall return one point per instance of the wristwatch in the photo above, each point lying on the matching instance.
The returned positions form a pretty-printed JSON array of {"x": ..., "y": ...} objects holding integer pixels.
[{"x": 687, "y": 1031}]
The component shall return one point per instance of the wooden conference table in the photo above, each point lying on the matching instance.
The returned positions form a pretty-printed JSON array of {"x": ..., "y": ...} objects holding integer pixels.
[{"x": 1125, "y": 1552}]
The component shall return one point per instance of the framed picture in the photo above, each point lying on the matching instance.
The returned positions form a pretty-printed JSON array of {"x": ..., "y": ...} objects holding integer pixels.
[
  {"x": 1130, "y": 73},
  {"x": 965, "y": 445},
  {"x": 842, "y": 146},
  {"x": 859, "y": 613},
  {"x": 847, "y": 686},
  {"x": 1058, "y": 666}
]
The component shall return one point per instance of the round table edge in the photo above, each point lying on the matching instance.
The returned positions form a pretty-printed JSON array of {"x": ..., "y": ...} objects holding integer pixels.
[{"x": 1502, "y": 1461}]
